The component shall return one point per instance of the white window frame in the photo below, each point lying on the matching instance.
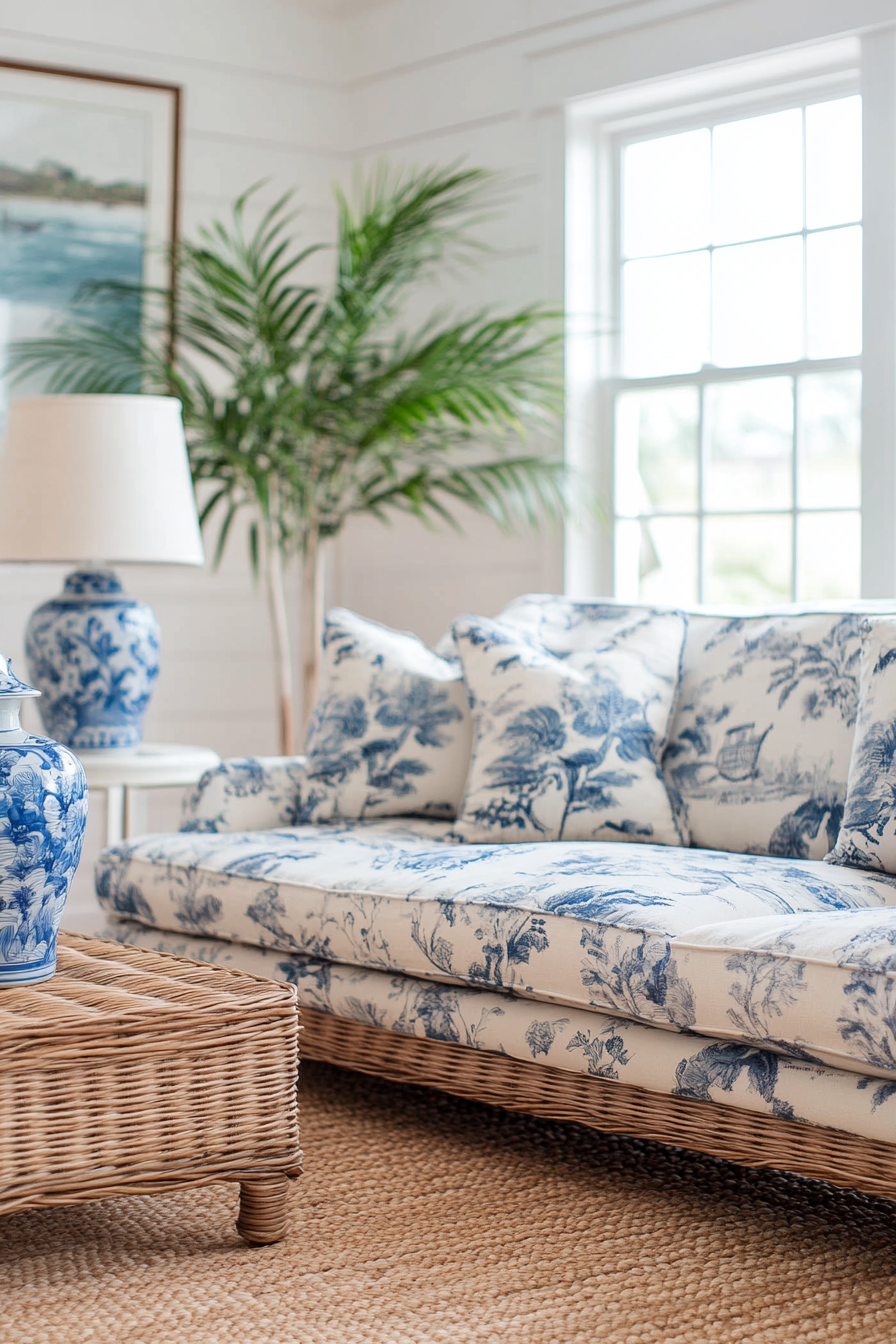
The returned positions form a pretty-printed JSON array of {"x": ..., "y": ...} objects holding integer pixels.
[{"x": 595, "y": 130}]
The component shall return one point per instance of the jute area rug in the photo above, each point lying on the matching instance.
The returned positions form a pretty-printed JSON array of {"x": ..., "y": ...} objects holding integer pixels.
[{"x": 421, "y": 1218}]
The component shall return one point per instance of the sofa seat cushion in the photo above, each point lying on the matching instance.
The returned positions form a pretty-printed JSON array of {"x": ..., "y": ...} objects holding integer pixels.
[
  {"x": 572, "y": 1039},
  {"x": 590, "y": 924},
  {"x": 821, "y": 986}
]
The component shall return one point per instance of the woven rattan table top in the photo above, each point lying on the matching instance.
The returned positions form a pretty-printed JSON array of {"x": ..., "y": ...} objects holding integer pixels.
[{"x": 104, "y": 991}]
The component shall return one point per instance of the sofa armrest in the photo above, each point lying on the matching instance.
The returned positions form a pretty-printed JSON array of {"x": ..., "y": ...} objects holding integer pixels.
[{"x": 246, "y": 793}]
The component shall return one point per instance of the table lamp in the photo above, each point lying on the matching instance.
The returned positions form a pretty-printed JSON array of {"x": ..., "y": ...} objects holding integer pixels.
[{"x": 96, "y": 481}]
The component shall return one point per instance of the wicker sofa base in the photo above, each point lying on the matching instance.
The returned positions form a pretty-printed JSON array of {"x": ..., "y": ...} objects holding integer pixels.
[{"x": 747, "y": 1137}]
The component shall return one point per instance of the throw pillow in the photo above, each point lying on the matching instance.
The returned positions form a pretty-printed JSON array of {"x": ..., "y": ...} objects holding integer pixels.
[
  {"x": 391, "y": 732},
  {"x": 568, "y": 747},
  {"x": 867, "y": 836},
  {"x": 760, "y": 741}
]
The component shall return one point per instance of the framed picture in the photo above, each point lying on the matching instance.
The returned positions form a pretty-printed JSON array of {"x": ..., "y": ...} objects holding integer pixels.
[{"x": 88, "y": 189}]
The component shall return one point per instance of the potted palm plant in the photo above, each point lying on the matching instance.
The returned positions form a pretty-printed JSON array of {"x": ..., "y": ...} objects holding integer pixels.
[{"x": 305, "y": 405}]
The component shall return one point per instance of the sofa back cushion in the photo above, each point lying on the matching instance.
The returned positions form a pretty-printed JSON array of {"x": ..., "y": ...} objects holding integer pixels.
[
  {"x": 760, "y": 742},
  {"x": 392, "y": 730},
  {"x": 868, "y": 835},
  {"x": 760, "y": 745}
]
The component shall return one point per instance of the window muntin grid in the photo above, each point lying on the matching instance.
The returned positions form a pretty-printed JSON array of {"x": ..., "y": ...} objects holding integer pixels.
[{"x": 765, "y": 506}]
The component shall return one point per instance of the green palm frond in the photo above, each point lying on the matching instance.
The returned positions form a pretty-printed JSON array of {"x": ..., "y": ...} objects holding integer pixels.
[{"x": 304, "y": 404}]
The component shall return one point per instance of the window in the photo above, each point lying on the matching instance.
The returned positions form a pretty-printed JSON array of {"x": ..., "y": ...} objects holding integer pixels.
[
  {"x": 729, "y": 397},
  {"x": 737, "y": 406}
]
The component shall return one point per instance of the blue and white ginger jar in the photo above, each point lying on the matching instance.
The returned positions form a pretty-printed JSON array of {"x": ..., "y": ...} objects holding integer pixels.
[
  {"x": 43, "y": 813},
  {"x": 93, "y": 652}
]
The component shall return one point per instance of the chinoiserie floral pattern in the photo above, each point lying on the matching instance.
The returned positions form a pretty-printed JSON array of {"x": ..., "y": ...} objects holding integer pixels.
[
  {"x": 567, "y": 746},
  {"x": 759, "y": 750},
  {"x": 94, "y": 654},
  {"x": 664, "y": 937},
  {"x": 760, "y": 743},
  {"x": 247, "y": 793},
  {"x": 578, "y": 1041},
  {"x": 868, "y": 835},
  {"x": 391, "y": 733},
  {"x": 43, "y": 813}
]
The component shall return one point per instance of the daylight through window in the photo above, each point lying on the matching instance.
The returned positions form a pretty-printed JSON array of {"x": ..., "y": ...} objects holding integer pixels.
[{"x": 737, "y": 413}]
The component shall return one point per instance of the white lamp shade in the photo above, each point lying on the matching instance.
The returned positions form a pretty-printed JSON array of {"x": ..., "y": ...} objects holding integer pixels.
[{"x": 97, "y": 478}]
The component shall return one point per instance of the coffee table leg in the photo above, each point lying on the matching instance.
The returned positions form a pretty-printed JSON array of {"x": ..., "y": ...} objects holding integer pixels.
[{"x": 263, "y": 1209}]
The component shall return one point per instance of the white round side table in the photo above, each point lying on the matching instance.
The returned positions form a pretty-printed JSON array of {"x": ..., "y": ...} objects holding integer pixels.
[{"x": 152, "y": 765}]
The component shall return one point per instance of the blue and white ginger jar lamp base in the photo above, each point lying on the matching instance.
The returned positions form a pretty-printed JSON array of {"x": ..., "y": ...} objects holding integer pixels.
[
  {"x": 43, "y": 813},
  {"x": 93, "y": 653}
]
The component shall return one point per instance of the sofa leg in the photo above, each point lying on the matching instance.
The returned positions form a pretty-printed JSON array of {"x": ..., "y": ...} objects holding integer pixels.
[{"x": 263, "y": 1209}]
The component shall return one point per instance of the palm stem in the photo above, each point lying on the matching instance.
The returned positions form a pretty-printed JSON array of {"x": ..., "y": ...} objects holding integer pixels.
[
  {"x": 276, "y": 595},
  {"x": 312, "y": 623}
]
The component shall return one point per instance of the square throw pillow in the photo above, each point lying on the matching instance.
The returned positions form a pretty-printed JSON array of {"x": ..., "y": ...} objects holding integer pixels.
[
  {"x": 568, "y": 747},
  {"x": 867, "y": 836},
  {"x": 392, "y": 730}
]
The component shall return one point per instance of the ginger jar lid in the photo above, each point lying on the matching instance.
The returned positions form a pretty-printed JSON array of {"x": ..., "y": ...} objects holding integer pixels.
[{"x": 10, "y": 684}]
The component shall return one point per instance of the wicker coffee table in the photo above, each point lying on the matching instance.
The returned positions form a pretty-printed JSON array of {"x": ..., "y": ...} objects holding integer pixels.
[{"x": 131, "y": 1072}]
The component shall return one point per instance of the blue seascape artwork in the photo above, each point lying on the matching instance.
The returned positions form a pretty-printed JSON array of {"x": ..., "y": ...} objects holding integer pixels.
[{"x": 73, "y": 209}]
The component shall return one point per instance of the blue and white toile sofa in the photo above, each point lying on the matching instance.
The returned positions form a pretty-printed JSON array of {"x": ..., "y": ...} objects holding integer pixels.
[{"x": 727, "y": 990}]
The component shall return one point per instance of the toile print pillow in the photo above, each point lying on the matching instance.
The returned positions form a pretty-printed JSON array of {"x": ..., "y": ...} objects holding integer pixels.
[
  {"x": 391, "y": 732},
  {"x": 568, "y": 747},
  {"x": 867, "y": 836},
  {"x": 760, "y": 743}
]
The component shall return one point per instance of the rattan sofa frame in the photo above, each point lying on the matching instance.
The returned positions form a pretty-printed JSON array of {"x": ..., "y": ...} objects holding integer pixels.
[{"x": 747, "y": 1137}]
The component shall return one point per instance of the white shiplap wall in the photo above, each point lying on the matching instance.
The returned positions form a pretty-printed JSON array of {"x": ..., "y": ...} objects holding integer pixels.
[
  {"x": 264, "y": 96},
  {"x": 296, "y": 90}
]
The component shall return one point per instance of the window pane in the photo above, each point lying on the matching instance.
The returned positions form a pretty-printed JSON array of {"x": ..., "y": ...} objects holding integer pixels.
[
  {"x": 656, "y": 560},
  {"x": 833, "y": 162},
  {"x": 665, "y": 314},
  {"x": 829, "y": 440},
  {"x": 673, "y": 576},
  {"x": 666, "y": 194},
  {"x": 748, "y": 559},
  {"x": 834, "y": 297},
  {"x": 656, "y": 451},
  {"x": 829, "y": 555},
  {"x": 757, "y": 177},
  {"x": 629, "y": 543},
  {"x": 757, "y": 310},
  {"x": 749, "y": 445}
]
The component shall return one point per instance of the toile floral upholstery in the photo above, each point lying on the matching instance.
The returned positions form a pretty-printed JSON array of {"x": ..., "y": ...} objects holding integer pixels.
[
  {"x": 760, "y": 742},
  {"x": 742, "y": 969},
  {"x": 390, "y": 734},
  {"x": 568, "y": 747},
  {"x": 572, "y": 1039},
  {"x": 641, "y": 931}
]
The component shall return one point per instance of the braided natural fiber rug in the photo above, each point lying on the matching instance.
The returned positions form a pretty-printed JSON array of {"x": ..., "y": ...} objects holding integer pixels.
[{"x": 421, "y": 1218}]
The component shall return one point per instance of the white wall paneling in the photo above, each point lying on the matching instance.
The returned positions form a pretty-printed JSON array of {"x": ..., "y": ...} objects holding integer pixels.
[{"x": 298, "y": 90}]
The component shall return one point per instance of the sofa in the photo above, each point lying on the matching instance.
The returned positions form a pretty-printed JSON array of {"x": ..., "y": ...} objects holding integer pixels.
[{"x": 620, "y": 864}]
